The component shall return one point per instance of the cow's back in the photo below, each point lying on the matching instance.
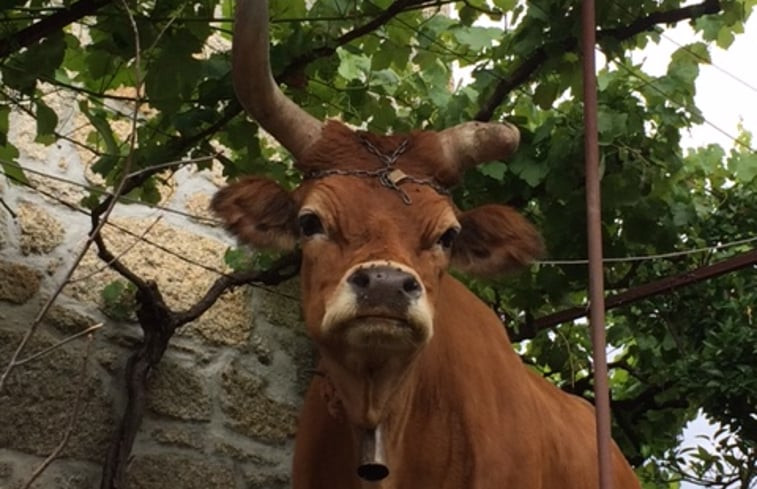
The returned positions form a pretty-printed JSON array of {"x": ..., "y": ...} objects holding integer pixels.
[{"x": 569, "y": 430}]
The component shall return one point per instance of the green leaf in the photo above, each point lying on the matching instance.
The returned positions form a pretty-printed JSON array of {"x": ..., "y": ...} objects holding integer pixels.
[
  {"x": 382, "y": 59},
  {"x": 119, "y": 300},
  {"x": 40, "y": 60},
  {"x": 4, "y": 123},
  {"x": 352, "y": 67},
  {"x": 531, "y": 171},
  {"x": 8, "y": 155},
  {"x": 725, "y": 38},
  {"x": 709, "y": 26},
  {"x": 387, "y": 79},
  {"x": 99, "y": 64},
  {"x": 684, "y": 67},
  {"x": 699, "y": 51},
  {"x": 47, "y": 121},
  {"x": 610, "y": 124},
  {"x": 149, "y": 192},
  {"x": 105, "y": 165},
  {"x": 545, "y": 94},
  {"x": 494, "y": 169},
  {"x": 744, "y": 166},
  {"x": 92, "y": 200},
  {"x": 506, "y": 5},
  {"x": 112, "y": 292},
  {"x": 620, "y": 188},
  {"x": 709, "y": 158},
  {"x": 102, "y": 126},
  {"x": 239, "y": 259},
  {"x": 468, "y": 15},
  {"x": 477, "y": 38},
  {"x": 174, "y": 72},
  {"x": 603, "y": 80}
]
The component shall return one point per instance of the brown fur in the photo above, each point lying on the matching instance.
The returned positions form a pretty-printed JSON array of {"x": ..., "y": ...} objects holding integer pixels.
[
  {"x": 259, "y": 211},
  {"x": 462, "y": 411},
  {"x": 473, "y": 418},
  {"x": 495, "y": 239},
  {"x": 340, "y": 147}
]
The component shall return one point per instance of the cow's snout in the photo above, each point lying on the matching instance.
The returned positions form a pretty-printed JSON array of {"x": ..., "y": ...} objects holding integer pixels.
[
  {"x": 384, "y": 286},
  {"x": 379, "y": 303}
]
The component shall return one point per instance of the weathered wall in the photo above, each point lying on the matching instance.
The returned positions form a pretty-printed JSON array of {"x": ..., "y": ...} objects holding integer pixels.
[{"x": 222, "y": 405}]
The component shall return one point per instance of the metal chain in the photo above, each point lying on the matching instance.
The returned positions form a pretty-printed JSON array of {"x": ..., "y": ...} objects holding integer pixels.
[
  {"x": 389, "y": 176},
  {"x": 387, "y": 160}
]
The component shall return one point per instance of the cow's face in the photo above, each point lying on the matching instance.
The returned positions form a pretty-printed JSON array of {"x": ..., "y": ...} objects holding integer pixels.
[
  {"x": 371, "y": 269},
  {"x": 371, "y": 264}
]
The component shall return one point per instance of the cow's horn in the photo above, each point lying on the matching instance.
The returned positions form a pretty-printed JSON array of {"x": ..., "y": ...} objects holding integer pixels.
[
  {"x": 255, "y": 87},
  {"x": 470, "y": 143}
]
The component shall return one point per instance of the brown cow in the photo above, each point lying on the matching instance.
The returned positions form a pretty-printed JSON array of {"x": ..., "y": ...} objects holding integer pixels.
[{"x": 419, "y": 386}]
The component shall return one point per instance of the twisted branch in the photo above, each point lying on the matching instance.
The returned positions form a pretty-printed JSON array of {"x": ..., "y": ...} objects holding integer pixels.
[
  {"x": 523, "y": 72},
  {"x": 662, "y": 286},
  {"x": 55, "y": 22}
]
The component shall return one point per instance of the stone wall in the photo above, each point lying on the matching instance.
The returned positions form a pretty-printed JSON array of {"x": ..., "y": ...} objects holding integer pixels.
[{"x": 222, "y": 405}]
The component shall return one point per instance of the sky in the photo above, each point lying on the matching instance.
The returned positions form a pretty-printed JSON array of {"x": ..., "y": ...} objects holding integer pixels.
[{"x": 724, "y": 101}]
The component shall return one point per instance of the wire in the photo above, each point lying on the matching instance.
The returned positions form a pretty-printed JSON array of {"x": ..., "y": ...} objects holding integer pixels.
[
  {"x": 627, "y": 259},
  {"x": 142, "y": 237},
  {"x": 658, "y": 256},
  {"x": 651, "y": 84},
  {"x": 96, "y": 190},
  {"x": 705, "y": 60},
  {"x": 662, "y": 34}
]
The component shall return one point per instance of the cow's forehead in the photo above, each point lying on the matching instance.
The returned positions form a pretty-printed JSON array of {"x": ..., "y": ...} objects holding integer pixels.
[
  {"x": 362, "y": 201},
  {"x": 340, "y": 148}
]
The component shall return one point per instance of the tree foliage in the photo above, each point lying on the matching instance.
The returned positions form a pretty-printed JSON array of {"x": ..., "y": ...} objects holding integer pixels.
[{"x": 390, "y": 66}]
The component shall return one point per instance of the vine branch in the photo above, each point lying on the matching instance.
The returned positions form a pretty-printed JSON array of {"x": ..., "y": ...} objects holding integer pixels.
[
  {"x": 707, "y": 7},
  {"x": 55, "y": 22},
  {"x": 662, "y": 286},
  {"x": 538, "y": 58}
]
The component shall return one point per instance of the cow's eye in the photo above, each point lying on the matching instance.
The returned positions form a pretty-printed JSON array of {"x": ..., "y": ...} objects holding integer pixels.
[
  {"x": 310, "y": 224},
  {"x": 448, "y": 238}
]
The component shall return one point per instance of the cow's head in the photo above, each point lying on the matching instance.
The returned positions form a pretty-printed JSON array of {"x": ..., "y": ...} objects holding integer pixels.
[{"x": 376, "y": 227}]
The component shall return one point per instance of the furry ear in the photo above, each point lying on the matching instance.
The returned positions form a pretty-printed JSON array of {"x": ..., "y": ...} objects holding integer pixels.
[
  {"x": 259, "y": 212},
  {"x": 493, "y": 240}
]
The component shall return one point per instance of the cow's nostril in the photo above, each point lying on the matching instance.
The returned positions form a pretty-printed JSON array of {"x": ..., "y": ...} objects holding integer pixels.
[
  {"x": 385, "y": 286},
  {"x": 411, "y": 286},
  {"x": 360, "y": 279}
]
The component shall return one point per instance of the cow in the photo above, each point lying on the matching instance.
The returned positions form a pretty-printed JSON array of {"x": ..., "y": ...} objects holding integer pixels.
[{"x": 417, "y": 384}]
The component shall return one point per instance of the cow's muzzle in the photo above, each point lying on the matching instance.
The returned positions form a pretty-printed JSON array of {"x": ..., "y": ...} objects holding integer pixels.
[{"x": 379, "y": 304}]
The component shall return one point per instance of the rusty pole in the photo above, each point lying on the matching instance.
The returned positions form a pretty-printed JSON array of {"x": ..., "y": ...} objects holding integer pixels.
[{"x": 594, "y": 232}]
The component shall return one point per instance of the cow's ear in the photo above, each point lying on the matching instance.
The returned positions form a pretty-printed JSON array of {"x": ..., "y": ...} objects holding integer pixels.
[
  {"x": 259, "y": 212},
  {"x": 493, "y": 240}
]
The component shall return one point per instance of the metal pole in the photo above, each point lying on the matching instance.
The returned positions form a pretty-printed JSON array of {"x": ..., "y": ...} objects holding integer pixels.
[{"x": 594, "y": 232}]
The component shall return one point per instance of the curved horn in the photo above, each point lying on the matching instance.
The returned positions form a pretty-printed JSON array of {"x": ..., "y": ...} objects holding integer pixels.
[
  {"x": 255, "y": 87},
  {"x": 470, "y": 143}
]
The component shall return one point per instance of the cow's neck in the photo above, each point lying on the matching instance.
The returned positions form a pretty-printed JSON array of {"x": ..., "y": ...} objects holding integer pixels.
[
  {"x": 395, "y": 414},
  {"x": 435, "y": 405},
  {"x": 393, "y": 426}
]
